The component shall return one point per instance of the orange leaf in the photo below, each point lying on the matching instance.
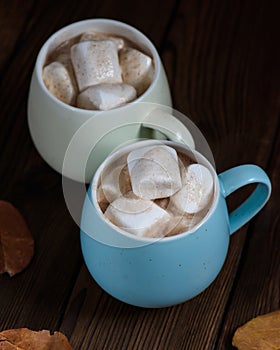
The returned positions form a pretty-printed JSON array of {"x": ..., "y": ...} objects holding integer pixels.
[
  {"x": 261, "y": 333},
  {"x": 26, "y": 339},
  {"x": 16, "y": 242}
]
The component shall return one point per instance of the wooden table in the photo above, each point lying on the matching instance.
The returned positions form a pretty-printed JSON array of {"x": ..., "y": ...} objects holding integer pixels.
[{"x": 222, "y": 61}]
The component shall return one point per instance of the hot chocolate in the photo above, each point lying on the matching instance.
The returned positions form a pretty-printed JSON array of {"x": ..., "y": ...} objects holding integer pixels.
[
  {"x": 97, "y": 71},
  {"x": 155, "y": 191}
]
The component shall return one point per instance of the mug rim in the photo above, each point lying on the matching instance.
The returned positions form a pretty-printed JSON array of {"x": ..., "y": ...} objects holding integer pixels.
[
  {"x": 120, "y": 152},
  {"x": 41, "y": 57}
]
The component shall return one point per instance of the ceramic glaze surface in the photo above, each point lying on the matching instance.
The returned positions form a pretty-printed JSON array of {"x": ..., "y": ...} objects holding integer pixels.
[{"x": 163, "y": 273}]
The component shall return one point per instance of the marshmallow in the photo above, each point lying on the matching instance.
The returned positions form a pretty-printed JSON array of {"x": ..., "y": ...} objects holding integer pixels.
[
  {"x": 140, "y": 217},
  {"x": 95, "y": 62},
  {"x": 196, "y": 193},
  {"x": 65, "y": 59},
  {"x": 106, "y": 96},
  {"x": 137, "y": 69},
  {"x": 58, "y": 81},
  {"x": 91, "y": 35},
  {"x": 154, "y": 171},
  {"x": 113, "y": 184}
]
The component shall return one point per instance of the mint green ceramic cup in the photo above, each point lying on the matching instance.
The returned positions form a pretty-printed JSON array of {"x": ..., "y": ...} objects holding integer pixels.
[{"x": 53, "y": 124}]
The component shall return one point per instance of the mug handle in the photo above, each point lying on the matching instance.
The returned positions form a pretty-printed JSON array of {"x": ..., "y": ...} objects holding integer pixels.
[
  {"x": 169, "y": 125},
  {"x": 237, "y": 177}
]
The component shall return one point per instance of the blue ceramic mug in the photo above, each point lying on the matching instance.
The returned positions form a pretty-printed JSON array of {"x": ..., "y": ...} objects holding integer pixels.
[{"x": 149, "y": 272}]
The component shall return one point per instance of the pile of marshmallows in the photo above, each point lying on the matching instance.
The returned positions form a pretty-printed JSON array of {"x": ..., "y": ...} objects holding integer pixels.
[
  {"x": 155, "y": 192},
  {"x": 100, "y": 72}
]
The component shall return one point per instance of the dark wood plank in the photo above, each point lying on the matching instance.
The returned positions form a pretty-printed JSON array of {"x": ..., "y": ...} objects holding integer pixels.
[
  {"x": 141, "y": 15},
  {"x": 224, "y": 73},
  {"x": 14, "y": 15},
  {"x": 257, "y": 287},
  {"x": 36, "y": 298},
  {"x": 230, "y": 91}
]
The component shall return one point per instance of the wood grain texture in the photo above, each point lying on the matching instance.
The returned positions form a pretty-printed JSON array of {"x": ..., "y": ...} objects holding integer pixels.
[
  {"x": 14, "y": 16},
  {"x": 222, "y": 61},
  {"x": 257, "y": 286}
]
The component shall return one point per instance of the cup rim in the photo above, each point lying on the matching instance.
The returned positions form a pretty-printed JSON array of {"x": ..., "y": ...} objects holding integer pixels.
[
  {"x": 93, "y": 186},
  {"x": 44, "y": 50}
]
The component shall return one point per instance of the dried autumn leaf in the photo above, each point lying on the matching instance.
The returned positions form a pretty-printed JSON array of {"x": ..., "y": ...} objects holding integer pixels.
[
  {"x": 16, "y": 242},
  {"x": 26, "y": 339},
  {"x": 260, "y": 333}
]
